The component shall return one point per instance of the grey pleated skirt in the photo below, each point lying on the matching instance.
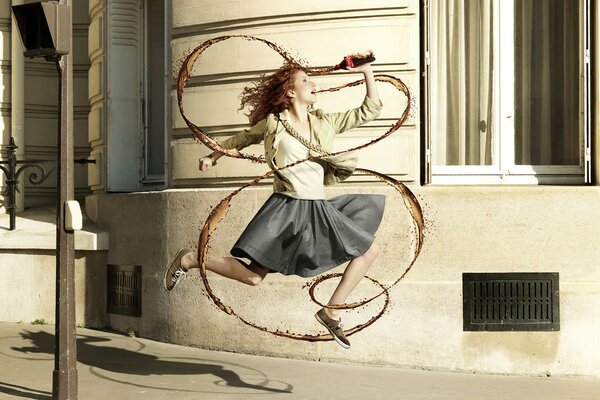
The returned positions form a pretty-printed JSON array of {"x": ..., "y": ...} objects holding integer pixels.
[{"x": 308, "y": 237}]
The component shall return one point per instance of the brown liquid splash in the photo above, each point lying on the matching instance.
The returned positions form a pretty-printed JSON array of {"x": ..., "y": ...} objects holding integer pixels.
[{"x": 219, "y": 212}]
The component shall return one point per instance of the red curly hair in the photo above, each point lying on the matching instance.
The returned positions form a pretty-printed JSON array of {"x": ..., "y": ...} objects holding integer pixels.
[{"x": 269, "y": 95}]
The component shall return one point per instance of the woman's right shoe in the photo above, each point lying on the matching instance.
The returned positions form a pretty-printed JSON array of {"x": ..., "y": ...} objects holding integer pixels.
[
  {"x": 175, "y": 272},
  {"x": 334, "y": 327}
]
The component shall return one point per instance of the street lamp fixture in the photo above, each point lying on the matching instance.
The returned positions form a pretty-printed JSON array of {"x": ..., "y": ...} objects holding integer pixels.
[{"x": 44, "y": 28}]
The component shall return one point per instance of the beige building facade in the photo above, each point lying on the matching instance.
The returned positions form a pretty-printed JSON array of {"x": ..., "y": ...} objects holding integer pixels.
[
  {"x": 502, "y": 162},
  {"x": 28, "y": 114}
]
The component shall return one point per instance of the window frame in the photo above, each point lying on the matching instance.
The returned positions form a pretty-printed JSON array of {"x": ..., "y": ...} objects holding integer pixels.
[{"x": 505, "y": 171}]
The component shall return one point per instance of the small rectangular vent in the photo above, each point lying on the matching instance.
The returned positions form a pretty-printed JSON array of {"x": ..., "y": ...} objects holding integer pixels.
[
  {"x": 124, "y": 287},
  {"x": 510, "y": 302}
]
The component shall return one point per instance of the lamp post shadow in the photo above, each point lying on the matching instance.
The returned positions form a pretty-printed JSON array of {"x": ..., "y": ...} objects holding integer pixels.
[
  {"x": 138, "y": 363},
  {"x": 23, "y": 392}
]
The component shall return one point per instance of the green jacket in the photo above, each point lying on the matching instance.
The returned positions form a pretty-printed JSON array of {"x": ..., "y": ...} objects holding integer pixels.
[{"x": 323, "y": 128}]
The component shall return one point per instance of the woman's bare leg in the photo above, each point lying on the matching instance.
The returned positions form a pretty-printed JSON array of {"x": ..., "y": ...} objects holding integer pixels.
[
  {"x": 355, "y": 271},
  {"x": 228, "y": 267}
]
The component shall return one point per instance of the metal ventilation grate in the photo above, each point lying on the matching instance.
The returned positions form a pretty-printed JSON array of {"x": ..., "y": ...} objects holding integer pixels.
[
  {"x": 510, "y": 302},
  {"x": 124, "y": 287}
]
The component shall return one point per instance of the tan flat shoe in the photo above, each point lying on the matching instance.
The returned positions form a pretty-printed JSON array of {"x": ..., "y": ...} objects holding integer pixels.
[
  {"x": 334, "y": 327},
  {"x": 175, "y": 271}
]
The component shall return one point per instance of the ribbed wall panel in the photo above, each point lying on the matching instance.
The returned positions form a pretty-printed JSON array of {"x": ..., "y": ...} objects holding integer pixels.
[
  {"x": 125, "y": 16},
  {"x": 319, "y": 32},
  {"x": 5, "y": 70},
  {"x": 96, "y": 94},
  {"x": 226, "y": 12}
]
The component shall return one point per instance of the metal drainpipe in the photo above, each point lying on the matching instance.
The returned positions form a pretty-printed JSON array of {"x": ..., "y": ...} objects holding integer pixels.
[{"x": 17, "y": 101}]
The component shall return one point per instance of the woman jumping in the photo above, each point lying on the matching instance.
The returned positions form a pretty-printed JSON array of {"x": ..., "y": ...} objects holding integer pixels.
[{"x": 298, "y": 231}]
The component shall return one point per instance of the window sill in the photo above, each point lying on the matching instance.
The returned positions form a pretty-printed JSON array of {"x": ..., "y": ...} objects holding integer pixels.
[{"x": 508, "y": 180}]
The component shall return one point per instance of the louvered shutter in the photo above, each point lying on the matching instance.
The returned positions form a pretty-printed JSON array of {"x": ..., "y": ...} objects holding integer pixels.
[{"x": 124, "y": 97}]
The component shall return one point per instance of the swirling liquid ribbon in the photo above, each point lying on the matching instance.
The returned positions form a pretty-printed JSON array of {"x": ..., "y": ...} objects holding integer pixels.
[{"x": 219, "y": 212}]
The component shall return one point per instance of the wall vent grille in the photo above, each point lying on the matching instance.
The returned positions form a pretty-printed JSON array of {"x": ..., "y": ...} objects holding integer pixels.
[
  {"x": 124, "y": 288},
  {"x": 510, "y": 302}
]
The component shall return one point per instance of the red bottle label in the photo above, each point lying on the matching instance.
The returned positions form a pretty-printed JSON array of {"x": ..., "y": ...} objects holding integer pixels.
[{"x": 349, "y": 61}]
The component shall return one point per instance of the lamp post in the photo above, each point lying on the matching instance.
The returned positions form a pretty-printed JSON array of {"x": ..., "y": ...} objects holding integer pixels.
[
  {"x": 46, "y": 31},
  {"x": 64, "y": 379}
]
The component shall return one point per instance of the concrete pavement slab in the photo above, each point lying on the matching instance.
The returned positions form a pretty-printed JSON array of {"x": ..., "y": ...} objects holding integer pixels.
[{"x": 114, "y": 366}]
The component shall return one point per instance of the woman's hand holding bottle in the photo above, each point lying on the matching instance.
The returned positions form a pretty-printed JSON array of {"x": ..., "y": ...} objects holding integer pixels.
[{"x": 362, "y": 63}]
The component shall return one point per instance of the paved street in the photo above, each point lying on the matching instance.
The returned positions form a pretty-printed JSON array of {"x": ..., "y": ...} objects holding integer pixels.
[{"x": 113, "y": 366}]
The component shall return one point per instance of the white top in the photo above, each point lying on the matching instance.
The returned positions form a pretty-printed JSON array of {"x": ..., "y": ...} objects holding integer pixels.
[{"x": 307, "y": 177}]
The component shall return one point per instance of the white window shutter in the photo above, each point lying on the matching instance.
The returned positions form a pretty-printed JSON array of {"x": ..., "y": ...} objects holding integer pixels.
[{"x": 124, "y": 97}]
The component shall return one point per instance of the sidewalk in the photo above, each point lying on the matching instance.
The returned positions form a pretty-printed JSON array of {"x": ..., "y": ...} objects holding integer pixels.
[{"x": 116, "y": 367}]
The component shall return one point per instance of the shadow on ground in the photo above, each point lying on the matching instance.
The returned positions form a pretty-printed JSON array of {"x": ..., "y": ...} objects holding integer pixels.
[
  {"x": 129, "y": 362},
  {"x": 23, "y": 392}
]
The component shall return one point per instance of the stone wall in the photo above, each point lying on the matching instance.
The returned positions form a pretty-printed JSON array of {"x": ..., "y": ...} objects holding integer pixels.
[{"x": 468, "y": 229}]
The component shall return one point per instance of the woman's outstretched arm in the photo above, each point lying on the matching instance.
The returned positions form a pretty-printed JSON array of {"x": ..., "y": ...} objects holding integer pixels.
[
  {"x": 368, "y": 111},
  {"x": 245, "y": 138},
  {"x": 367, "y": 71}
]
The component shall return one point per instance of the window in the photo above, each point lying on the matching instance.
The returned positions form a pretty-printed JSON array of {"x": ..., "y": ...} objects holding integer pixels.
[{"x": 506, "y": 96}]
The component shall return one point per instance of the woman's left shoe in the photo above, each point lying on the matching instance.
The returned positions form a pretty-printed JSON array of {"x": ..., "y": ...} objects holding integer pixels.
[
  {"x": 175, "y": 272},
  {"x": 334, "y": 327}
]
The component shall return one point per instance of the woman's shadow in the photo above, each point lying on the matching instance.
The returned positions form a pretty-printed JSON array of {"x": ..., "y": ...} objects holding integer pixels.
[{"x": 130, "y": 362}]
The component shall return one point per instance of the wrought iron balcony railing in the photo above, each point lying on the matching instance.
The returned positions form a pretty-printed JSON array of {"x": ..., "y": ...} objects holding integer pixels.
[{"x": 13, "y": 170}]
